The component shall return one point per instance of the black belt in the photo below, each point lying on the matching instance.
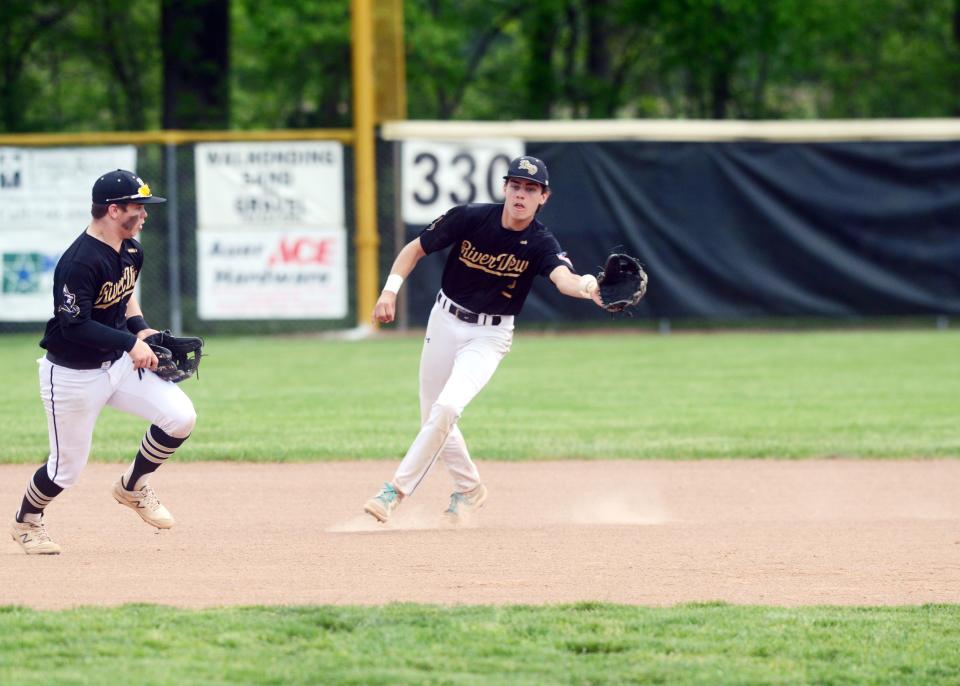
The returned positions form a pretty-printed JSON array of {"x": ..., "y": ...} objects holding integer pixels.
[
  {"x": 470, "y": 317},
  {"x": 79, "y": 364}
]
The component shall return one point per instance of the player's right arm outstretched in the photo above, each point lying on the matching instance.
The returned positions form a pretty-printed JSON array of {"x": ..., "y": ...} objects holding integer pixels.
[{"x": 386, "y": 307}]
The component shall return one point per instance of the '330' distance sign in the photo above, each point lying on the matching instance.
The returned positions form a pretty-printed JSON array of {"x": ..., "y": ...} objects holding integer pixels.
[{"x": 438, "y": 175}]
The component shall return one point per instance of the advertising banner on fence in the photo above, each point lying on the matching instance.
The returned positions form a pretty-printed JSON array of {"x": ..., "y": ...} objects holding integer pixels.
[
  {"x": 271, "y": 231},
  {"x": 273, "y": 274},
  {"x": 29, "y": 259},
  {"x": 247, "y": 186},
  {"x": 44, "y": 205}
]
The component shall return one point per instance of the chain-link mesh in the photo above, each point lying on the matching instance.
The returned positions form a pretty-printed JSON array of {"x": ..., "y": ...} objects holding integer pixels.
[
  {"x": 169, "y": 280},
  {"x": 157, "y": 289}
]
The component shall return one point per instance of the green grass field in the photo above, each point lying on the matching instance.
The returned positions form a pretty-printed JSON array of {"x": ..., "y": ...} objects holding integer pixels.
[
  {"x": 870, "y": 394},
  {"x": 887, "y": 394},
  {"x": 413, "y": 644}
]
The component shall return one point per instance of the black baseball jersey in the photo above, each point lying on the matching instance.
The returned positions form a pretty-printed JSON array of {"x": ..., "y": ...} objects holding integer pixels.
[
  {"x": 490, "y": 269},
  {"x": 92, "y": 285}
]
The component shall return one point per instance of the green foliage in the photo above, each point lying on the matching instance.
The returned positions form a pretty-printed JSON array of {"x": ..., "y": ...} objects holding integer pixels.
[
  {"x": 22, "y": 23},
  {"x": 879, "y": 54},
  {"x": 290, "y": 64},
  {"x": 66, "y": 65},
  {"x": 586, "y": 643},
  {"x": 69, "y": 66},
  {"x": 725, "y": 395},
  {"x": 444, "y": 49}
]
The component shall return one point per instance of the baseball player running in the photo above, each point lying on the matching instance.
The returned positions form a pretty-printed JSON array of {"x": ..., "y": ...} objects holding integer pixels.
[
  {"x": 498, "y": 249},
  {"x": 96, "y": 356}
]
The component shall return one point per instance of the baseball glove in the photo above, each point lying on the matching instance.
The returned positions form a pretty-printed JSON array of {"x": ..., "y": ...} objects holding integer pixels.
[
  {"x": 179, "y": 356},
  {"x": 622, "y": 282}
]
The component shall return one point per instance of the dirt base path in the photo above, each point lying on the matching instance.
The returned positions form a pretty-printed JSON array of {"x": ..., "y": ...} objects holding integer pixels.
[{"x": 651, "y": 533}]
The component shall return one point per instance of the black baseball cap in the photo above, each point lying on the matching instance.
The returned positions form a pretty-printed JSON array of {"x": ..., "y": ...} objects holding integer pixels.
[
  {"x": 531, "y": 168},
  {"x": 119, "y": 187}
]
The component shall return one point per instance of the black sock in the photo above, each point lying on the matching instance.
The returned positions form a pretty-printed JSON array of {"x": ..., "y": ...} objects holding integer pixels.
[
  {"x": 40, "y": 492},
  {"x": 155, "y": 448}
]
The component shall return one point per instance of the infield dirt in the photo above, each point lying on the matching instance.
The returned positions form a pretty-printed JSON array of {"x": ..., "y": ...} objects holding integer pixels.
[{"x": 637, "y": 532}]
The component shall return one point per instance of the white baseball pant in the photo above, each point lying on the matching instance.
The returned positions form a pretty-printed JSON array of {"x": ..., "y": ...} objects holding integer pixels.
[
  {"x": 73, "y": 399},
  {"x": 457, "y": 361}
]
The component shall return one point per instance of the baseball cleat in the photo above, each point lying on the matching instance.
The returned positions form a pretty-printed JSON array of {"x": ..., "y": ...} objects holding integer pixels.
[
  {"x": 383, "y": 503},
  {"x": 145, "y": 503},
  {"x": 33, "y": 538},
  {"x": 464, "y": 504}
]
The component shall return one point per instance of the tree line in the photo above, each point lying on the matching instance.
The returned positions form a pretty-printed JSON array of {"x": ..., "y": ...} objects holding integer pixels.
[{"x": 100, "y": 65}]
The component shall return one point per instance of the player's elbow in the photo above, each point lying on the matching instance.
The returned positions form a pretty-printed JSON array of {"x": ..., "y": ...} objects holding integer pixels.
[
  {"x": 73, "y": 332},
  {"x": 415, "y": 251}
]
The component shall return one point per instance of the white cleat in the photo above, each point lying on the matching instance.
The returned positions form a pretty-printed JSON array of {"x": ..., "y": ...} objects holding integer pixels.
[
  {"x": 462, "y": 505},
  {"x": 382, "y": 505},
  {"x": 33, "y": 538},
  {"x": 145, "y": 503}
]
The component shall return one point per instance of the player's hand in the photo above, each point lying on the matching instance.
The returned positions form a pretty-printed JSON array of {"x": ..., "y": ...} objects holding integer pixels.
[
  {"x": 589, "y": 287},
  {"x": 143, "y": 357},
  {"x": 386, "y": 308},
  {"x": 146, "y": 332}
]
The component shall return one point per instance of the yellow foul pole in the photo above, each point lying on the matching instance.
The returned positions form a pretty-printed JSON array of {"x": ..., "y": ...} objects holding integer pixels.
[{"x": 367, "y": 238}]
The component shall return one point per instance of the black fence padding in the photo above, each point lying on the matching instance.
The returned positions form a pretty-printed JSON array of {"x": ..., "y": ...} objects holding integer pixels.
[{"x": 733, "y": 230}]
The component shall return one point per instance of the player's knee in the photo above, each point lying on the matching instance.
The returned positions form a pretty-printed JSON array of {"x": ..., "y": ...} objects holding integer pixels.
[
  {"x": 180, "y": 424},
  {"x": 445, "y": 415}
]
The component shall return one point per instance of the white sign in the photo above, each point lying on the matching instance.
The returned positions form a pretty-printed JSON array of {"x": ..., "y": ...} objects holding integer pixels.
[
  {"x": 273, "y": 274},
  {"x": 277, "y": 185},
  {"x": 28, "y": 259},
  {"x": 48, "y": 189},
  {"x": 271, "y": 231},
  {"x": 438, "y": 175},
  {"x": 44, "y": 205}
]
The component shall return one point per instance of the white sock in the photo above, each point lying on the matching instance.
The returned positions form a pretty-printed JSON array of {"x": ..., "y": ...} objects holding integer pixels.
[{"x": 141, "y": 482}]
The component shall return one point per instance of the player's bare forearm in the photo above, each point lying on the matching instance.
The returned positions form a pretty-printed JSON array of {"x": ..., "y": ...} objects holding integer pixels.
[
  {"x": 574, "y": 285},
  {"x": 407, "y": 258},
  {"x": 386, "y": 308}
]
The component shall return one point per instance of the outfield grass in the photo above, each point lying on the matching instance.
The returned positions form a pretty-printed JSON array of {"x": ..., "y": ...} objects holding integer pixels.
[
  {"x": 885, "y": 394},
  {"x": 723, "y": 395},
  {"x": 410, "y": 644}
]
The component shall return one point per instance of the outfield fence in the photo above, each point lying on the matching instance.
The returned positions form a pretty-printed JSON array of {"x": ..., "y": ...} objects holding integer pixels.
[{"x": 736, "y": 221}]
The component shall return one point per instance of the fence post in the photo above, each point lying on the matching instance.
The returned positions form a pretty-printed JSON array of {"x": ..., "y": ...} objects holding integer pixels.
[
  {"x": 399, "y": 234},
  {"x": 173, "y": 238},
  {"x": 367, "y": 239}
]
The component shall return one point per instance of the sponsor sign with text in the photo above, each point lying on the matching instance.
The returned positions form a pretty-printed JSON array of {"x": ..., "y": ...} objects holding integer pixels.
[
  {"x": 271, "y": 236},
  {"x": 273, "y": 274},
  {"x": 44, "y": 206}
]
